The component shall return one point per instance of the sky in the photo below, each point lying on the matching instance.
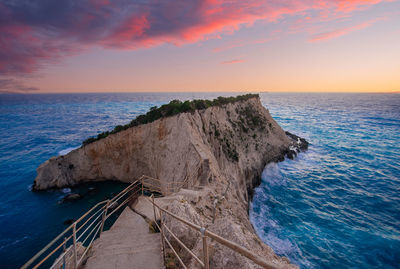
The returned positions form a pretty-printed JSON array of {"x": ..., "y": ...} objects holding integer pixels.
[{"x": 199, "y": 45}]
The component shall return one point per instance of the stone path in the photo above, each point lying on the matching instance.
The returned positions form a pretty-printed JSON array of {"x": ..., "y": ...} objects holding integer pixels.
[{"x": 128, "y": 244}]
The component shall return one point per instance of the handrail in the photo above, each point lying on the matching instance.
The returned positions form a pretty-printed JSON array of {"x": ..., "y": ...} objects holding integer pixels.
[
  {"x": 184, "y": 246},
  {"x": 58, "y": 237},
  {"x": 95, "y": 227},
  {"x": 89, "y": 226},
  {"x": 123, "y": 203},
  {"x": 205, "y": 233},
  {"x": 157, "y": 185}
]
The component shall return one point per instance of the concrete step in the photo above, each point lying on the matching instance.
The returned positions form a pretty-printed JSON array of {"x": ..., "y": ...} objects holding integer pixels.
[
  {"x": 136, "y": 247},
  {"x": 128, "y": 244},
  {"x": 130, "y": 250},
  {"x": 122, "y": 236}
]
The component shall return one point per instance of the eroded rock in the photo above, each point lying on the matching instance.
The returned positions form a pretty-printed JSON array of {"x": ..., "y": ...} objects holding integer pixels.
[
  {"x": 218, "y": 153},
  {"x": 72, "y": 197}
]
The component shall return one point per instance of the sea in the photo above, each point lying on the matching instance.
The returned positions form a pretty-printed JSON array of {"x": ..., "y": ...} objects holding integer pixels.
[{"x": 337, "y": 205}]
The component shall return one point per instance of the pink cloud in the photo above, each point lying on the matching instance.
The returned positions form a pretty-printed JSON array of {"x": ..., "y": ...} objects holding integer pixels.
[
  {"x": 350, "y": 5},
  {"x": 235, "y": 61},
  {"x": 33, "y": 37}
]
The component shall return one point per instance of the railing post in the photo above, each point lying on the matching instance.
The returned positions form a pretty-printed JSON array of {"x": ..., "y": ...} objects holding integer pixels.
[
  {"x": 103, "y": 218},
  {"x": 214, "y": 209},
  {"x": 64, "y": 248},
  {"x": 132, "y": 197},
  {"x": 206, "y": 259},
  {"x": 162, "y": 235},
  {"x": 154, "y": 208},
  {"x": 74, "y": 246}
]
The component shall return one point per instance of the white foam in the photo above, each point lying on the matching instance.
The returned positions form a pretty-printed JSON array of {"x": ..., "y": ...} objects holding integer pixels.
[
  {"x": 66, "y": 190},
  {"x": 272, "y": 175},
  {"x": 66, "y": 151},
  {"x": 268, "y": 230}
]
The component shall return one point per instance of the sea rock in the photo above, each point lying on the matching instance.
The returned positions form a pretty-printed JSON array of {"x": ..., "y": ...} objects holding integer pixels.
[
  {"x": 72, "y": 197},
  {"x": 69, "y": 221},
  {"x": 300, "y": 143},
  {"x": 205, "y": 152}
]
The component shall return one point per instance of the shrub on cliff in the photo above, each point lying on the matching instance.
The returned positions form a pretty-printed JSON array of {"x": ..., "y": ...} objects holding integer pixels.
[{"x": 172, "y": 108}]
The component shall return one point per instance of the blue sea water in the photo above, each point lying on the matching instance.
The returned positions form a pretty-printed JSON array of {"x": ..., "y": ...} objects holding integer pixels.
[
  {"x": 35, "y": 127},
  {"x": 336, "y": 205}
]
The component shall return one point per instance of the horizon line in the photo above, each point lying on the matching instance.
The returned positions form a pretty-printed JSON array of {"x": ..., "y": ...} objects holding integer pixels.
[
  {"x": 179, "y": 91},
  {"x": 259, "y": 92}
]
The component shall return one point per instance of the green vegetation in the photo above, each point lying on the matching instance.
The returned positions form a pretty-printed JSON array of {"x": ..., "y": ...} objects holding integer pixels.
[
  {"x": 230, "y": 151},
  {"x": 153, "y": 226},
  {"x": 173, "y": 108},
  {"x": 253, "y": 118},
  {"x": 171, "y": 262},
  {"x": 249, "y": 120}
]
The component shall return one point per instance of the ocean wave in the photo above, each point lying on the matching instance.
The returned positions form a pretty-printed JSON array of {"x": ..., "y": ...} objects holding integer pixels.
[
  {"x": 336, "y": 205},
  {"x": 9, "y": 244},
  {"x": 66, "y": 151},
  {"x": 272, "y": 175}
]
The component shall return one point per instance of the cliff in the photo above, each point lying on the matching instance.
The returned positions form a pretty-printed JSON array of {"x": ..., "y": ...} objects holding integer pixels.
[{"x": 219, "y": 152}]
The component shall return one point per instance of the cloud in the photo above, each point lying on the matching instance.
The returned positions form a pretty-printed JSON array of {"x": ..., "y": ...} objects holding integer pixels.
[
  {"x": 34, "y": 33},
  {"x": 235, "y": 61},
  {"x": 340, "y": 32},
  {"x": 11, "y": 85}
]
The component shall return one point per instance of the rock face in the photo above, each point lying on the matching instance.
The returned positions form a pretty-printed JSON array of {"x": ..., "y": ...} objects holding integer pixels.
[
  {"x": 235, "y": 140},
  {"x": 219, "y": 154}
]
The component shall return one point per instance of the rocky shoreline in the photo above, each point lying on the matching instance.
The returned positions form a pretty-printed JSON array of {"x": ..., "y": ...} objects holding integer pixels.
[{"x": 219, "y": 152}]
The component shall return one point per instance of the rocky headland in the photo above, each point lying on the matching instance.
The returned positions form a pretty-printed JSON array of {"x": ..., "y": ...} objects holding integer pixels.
[{"x": 218, "y": 150}]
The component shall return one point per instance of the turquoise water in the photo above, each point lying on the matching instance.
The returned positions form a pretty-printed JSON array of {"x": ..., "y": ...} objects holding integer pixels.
[
  {"x": 337, "y": 205},
  {"x": 34, "y": 128}
]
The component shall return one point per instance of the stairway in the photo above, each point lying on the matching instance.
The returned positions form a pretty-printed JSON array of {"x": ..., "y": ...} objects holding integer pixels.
[{"x": 128, "y": 244}]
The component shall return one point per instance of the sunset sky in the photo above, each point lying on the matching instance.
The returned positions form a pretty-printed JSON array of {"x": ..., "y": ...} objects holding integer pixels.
[{"x": 203, "y": 45}]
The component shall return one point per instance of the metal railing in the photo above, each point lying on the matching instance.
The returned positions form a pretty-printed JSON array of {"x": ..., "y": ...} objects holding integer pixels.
[
  {"x": 79, "y": 236},
  {"x": 155, "y": 185},
  {"x": 204, "y": 233}
]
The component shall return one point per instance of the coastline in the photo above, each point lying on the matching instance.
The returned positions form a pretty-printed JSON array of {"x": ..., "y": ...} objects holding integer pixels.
[
  {"x": 287, "y": 197},
  {"x": 208, "y": 152}
]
